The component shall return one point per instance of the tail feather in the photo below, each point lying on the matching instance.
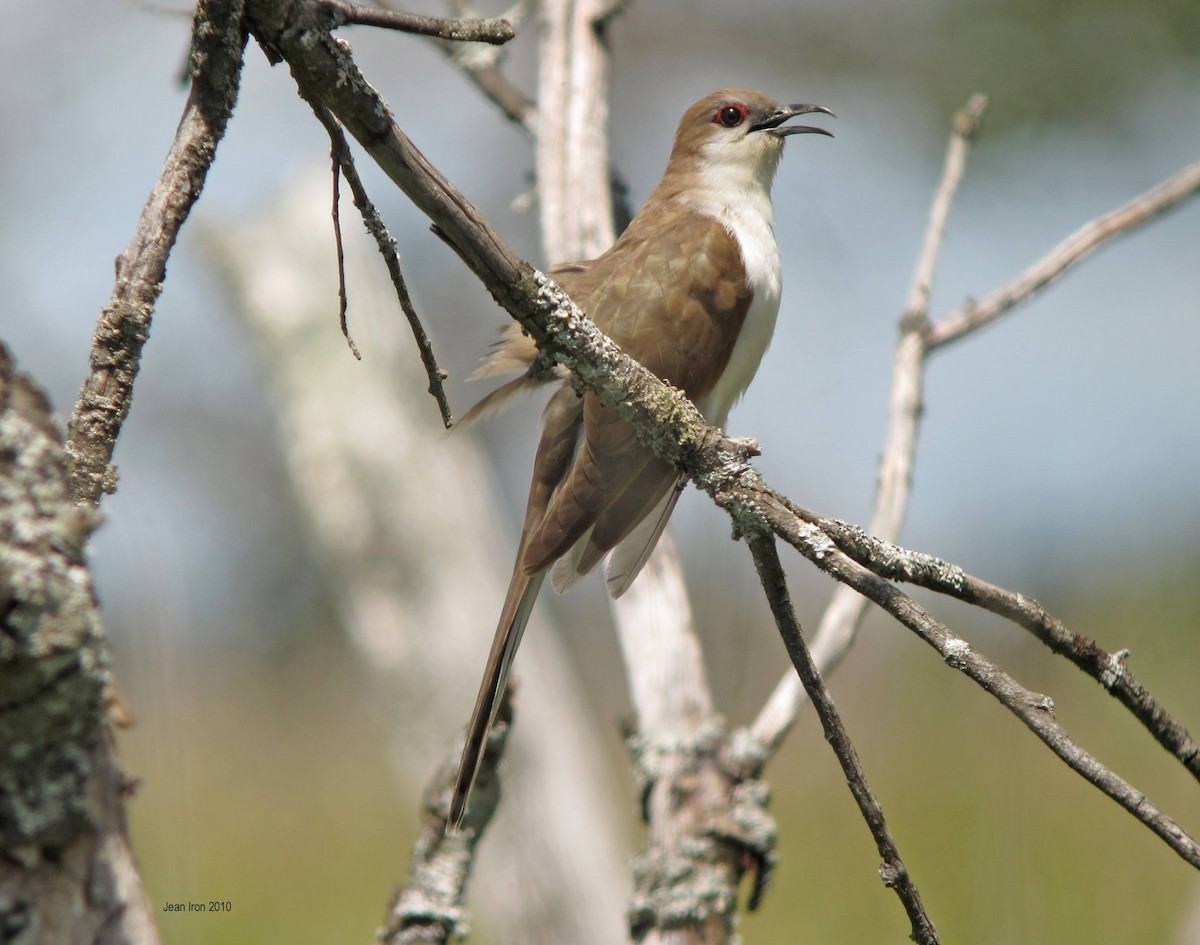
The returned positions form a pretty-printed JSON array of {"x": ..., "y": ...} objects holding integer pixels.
[
  {"x": 522, "y": 592},
  {"x": 493, "y": 403},
  {"x": 626, "y": 560}
]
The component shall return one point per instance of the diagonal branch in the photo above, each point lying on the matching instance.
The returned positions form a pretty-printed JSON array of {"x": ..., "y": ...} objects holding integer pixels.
[
  {"x": 665, "y": 419},
  {"x": 387, "y": 249},
  {"x": 1108, "y": 669},
  {"x": 124, "y": 325},
  {"x": 1035, "y": 710},
  {"x": 843, "y": 615},
  {"x": 894, "y": 872},
  {"x": 1139, "y": 211}
]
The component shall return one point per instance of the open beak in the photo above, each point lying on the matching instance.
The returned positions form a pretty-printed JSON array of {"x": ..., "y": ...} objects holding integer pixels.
[{"x": 773, "y": 121}]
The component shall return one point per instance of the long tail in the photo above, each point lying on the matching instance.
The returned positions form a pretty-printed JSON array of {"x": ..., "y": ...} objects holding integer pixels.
[{"x": 522, "y": 591}]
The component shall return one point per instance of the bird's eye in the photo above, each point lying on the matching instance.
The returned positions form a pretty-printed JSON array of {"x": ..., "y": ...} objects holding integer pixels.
[{"x": 730, "y": 115}]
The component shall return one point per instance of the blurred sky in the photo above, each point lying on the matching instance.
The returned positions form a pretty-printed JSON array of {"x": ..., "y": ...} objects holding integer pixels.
[
  {"x": 1063, "y": 441},
  {"x": 1067, "y": 435}
]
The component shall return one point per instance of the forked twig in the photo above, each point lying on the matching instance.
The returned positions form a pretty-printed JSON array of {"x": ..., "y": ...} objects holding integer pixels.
[
  {"x": 344, "y": 159},
  {"x": 1035, "y": 710},
  {"x": 1074, "y": 249},
  {"x": 1108, "y": 669}
]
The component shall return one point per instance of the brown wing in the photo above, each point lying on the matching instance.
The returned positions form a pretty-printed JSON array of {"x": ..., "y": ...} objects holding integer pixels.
[{"x": 672, "y": 293}]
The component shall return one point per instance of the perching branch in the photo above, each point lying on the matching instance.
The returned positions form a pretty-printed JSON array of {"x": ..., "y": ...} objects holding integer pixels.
[
  {"x": 895, "y": 874},
  {"x": 1035, "y": 710},
  {"x": 495, "y": 31},
  {"x": 843, "y": 615},
  {"x": 124, "y": 325},
  {"x": 1108, "y": 669},
  {"x": 668, "y": 423}
]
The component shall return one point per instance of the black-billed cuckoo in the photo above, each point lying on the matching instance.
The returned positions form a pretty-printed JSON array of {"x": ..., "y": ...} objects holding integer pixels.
[{"x": 690, "y": 290}]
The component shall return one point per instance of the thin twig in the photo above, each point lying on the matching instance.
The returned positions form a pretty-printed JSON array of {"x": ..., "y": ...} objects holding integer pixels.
[
  {"x": 839, "y": 623},
  {"x": 124, "y": 324},
  {"x": 1035, "y": 710},
  {"x": 481, "y": 65},
  {"x": 966, "y": 125},
  {"x": 341, "y": 255},
  {"x": 895, "y": 874},
  {"x": 344, "y": 159},
  {"x": 1108, "y": 669},
  {"x": 496, "y": 31},
  {"x": 1169, "y": 195},
  {"x": 669, "y": 423}
]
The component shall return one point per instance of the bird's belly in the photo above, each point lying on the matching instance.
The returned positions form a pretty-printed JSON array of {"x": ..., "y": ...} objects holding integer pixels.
[{"x": 760, "y": 254}]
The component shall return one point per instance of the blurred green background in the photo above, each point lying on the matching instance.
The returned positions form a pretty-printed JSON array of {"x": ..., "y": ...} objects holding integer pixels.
[{"x": 1058, "y": 455}]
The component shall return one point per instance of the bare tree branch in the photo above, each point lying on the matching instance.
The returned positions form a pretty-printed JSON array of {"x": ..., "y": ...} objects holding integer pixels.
[
  {"x": 124, "y": 325},
  {"x": 572, "y": 155},
  {"x": 966, "y": 126},
  {"x": 843, "y": 615},
  {"x": 431, "y": 908},
  {"x": 895, "y": 874},
  {"x": 668, "y": 423},
  {"x": 387, "y": 249},
  {"x": 1168, "y": 195},
  {"x": 1035, "y": 710},
  {"x": 1108, "y": 669},
  {"x": 496, "y": 31}
]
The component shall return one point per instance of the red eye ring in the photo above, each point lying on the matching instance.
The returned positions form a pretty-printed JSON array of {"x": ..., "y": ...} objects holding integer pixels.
[{"x": 730, "y": 115}]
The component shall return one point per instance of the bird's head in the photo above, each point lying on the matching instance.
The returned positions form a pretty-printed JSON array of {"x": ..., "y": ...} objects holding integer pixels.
[{"x": 737, "y": 132}]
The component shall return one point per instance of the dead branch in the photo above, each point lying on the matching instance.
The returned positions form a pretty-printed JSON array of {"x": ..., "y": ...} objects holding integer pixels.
[
  {"x": 1108, "y": 669},
  {"x": 1074, "y": 249},
  {"x": 215, "y": 69},
  {"x": 895, "y": 874},
  {"x": 1035, "y": 710},
  {"x": 496, "y": 31},
  {"x": 668, "y": 423},
  {"x": 387, "y": 249}
]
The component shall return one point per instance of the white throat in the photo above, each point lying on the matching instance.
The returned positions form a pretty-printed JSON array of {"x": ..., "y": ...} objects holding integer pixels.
[{"x": 738, "y": 194}]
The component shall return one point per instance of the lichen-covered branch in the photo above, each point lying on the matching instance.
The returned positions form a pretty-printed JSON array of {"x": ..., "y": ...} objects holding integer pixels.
[
  {"x": 666, "y": 420},
  {"x": 67, "y": 872},
  {"x": 1109, "y": 669},
  {"x": 215, "y": 68},
  {"x": 843, "y": 615}
]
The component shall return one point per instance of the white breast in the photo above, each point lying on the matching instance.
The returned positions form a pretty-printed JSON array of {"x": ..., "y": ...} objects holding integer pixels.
[{"x": 747, "y": 213}]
